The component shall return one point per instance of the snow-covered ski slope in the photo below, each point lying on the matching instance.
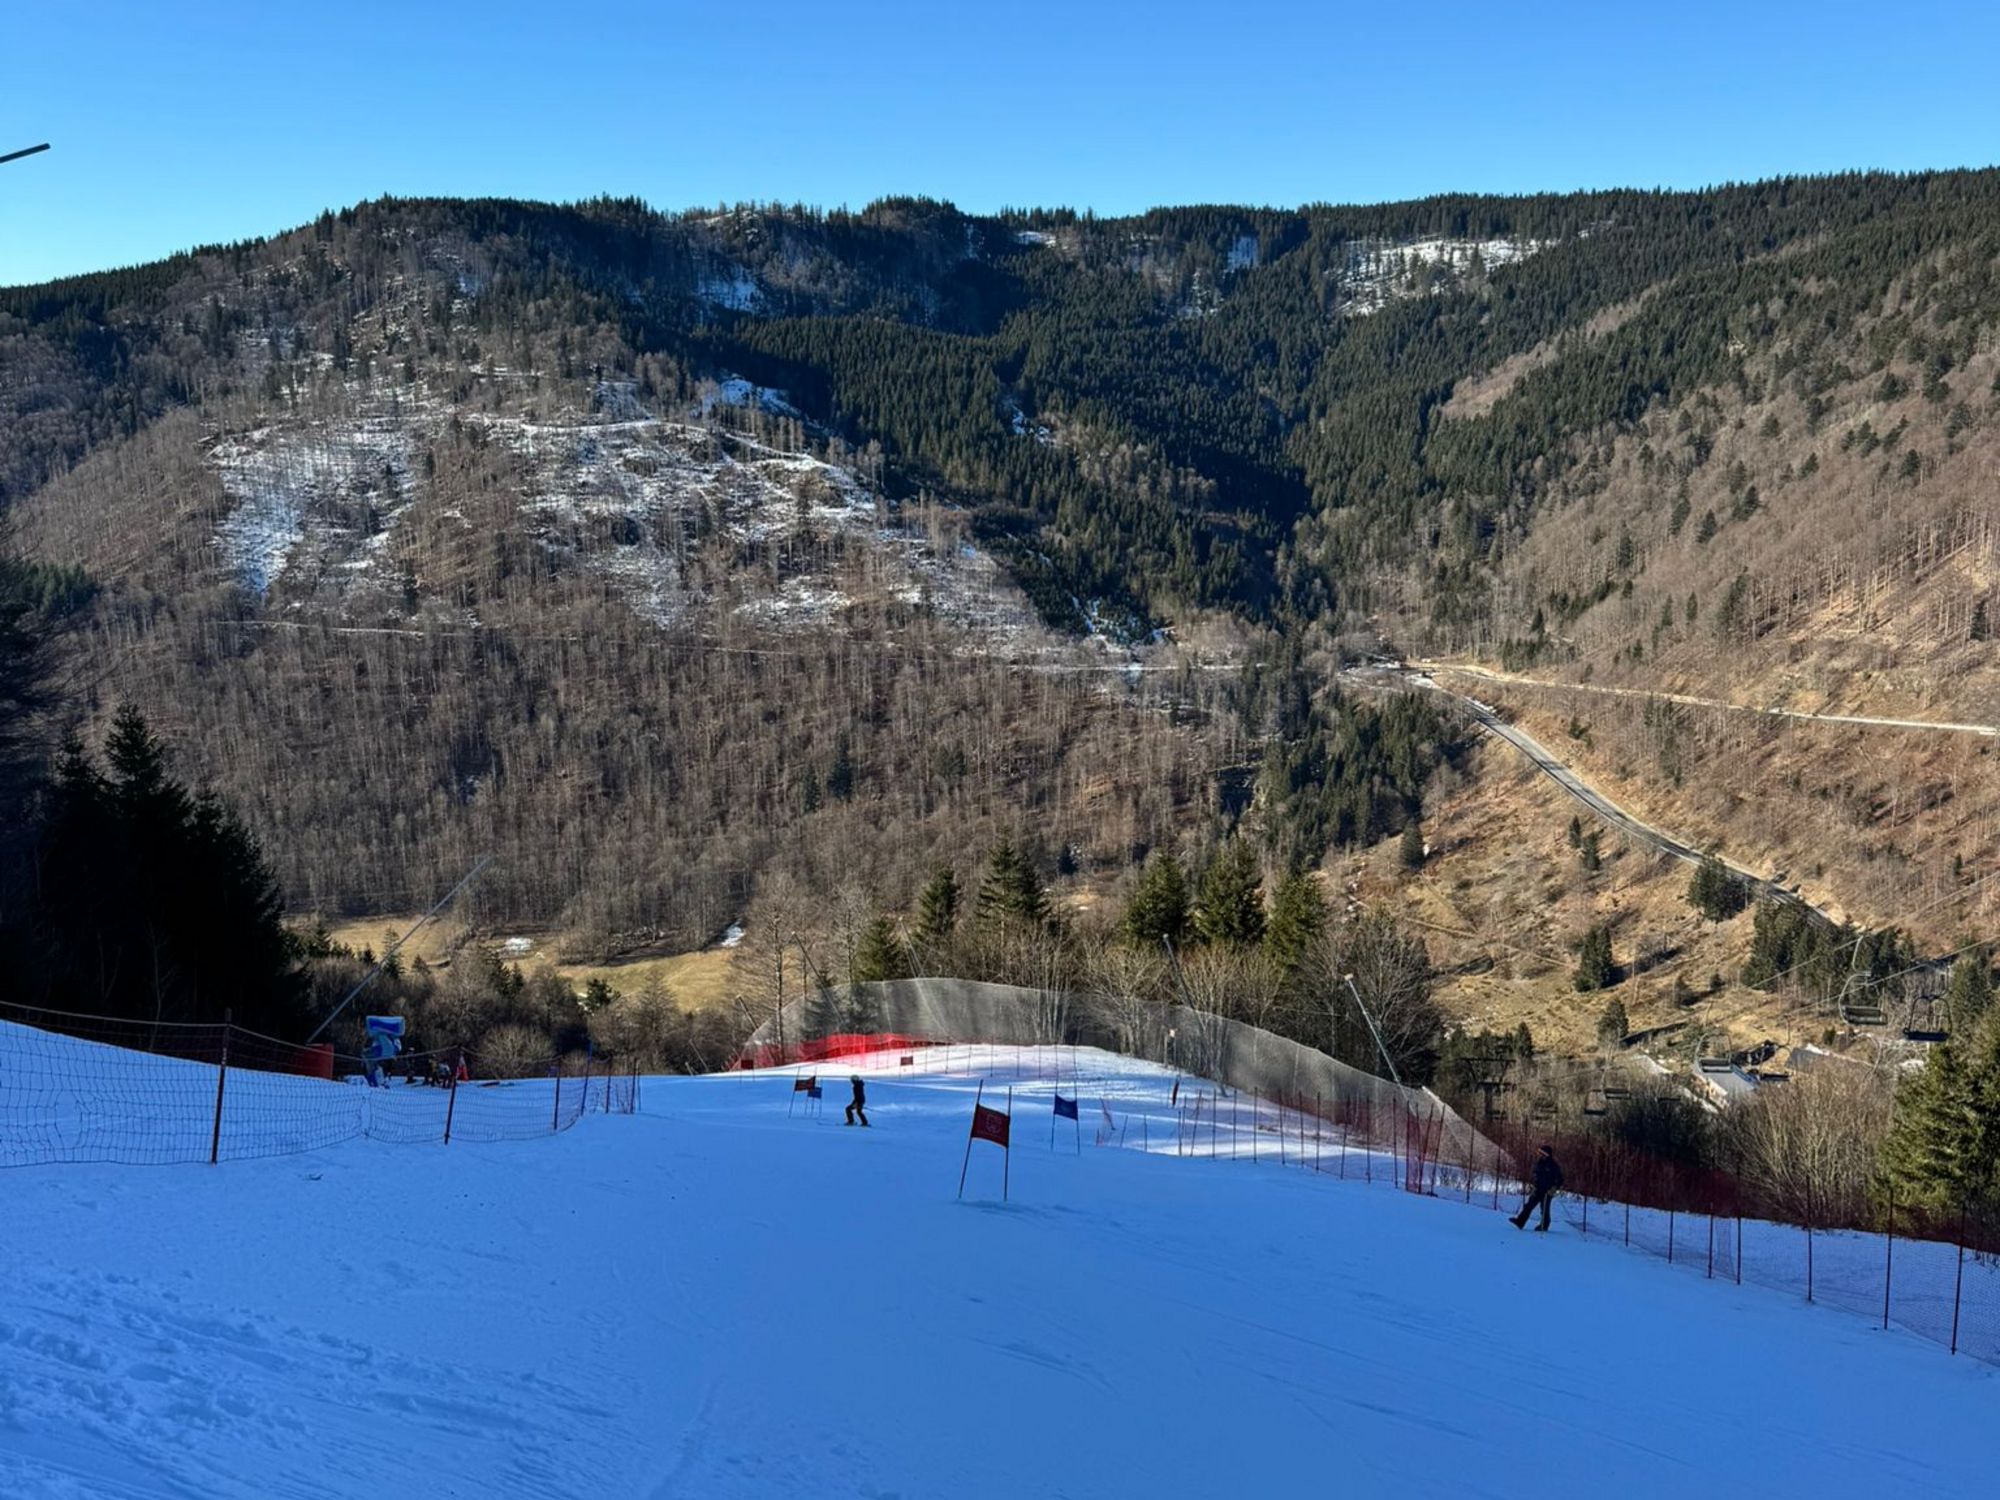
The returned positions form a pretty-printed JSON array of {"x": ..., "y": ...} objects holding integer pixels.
[{"x": 710, "y": 1299}]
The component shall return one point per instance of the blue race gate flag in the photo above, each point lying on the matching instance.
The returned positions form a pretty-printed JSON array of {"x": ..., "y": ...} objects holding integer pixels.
[{"x": 1066, "y": 1108}]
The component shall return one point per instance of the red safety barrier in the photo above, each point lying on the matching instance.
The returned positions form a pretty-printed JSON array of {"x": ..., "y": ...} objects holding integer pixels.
[{"x": 828, "y": 1048}]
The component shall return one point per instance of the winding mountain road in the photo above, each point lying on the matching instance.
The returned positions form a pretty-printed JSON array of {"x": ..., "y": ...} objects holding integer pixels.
[
  {"x": 1989, "y": 731},
  {"x": 1602, "y": 806}
]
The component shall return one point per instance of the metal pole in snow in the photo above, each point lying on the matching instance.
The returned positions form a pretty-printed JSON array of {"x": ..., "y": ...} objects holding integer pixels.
[
  {"x": 1888, "y": 1259},
  {"x": 1007, "y": 1153},
  {"x": 451, "y": 1099},
  {"x": 221, "y": 1076},
  {"x": 964, "y": 1166}
]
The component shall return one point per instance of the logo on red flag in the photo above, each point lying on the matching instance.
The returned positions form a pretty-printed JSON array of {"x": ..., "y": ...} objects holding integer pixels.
[{"x": 989, "y": 1125}]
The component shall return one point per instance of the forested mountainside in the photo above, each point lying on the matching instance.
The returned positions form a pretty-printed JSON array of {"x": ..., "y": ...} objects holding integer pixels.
[{"x": 658, "y": 551}]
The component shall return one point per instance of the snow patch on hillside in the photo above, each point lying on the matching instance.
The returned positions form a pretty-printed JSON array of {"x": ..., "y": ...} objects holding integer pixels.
[
  {"x": 735, "y": 391},
  {"x": 341, "y": 483},
  {"x": 733, "y": 288},
  {"x": 668, "y": 508},
  {"x": 678, "y": 514},
  {"x": 1380, "y": 271}
]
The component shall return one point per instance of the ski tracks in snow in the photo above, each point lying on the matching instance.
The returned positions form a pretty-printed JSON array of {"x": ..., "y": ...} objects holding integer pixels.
[{"x": 111, "y": 1387}]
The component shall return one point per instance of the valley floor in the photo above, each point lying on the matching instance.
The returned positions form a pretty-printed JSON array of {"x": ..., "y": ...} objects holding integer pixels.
[{"x": 709, "y": 1299}]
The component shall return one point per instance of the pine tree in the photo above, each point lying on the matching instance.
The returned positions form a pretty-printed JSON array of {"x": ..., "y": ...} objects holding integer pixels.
[
  {"x": 1298, "y": 920},
  {"x": 825, "y": 1015},
  {"x": 840, "y": 775},
  {"x": 1011, "y": 891},
  {"x": 1969, "y": 992},
  {"x": 1589, "y": 852},
  {"x": 1410, "y": 849},
  {"x": 1613, "y": 1025},
  {"x": 1231, "y": 910},
  {"x": 1931, "y": 1156},
  {"x": 879, "y": 955},
  {"x": 1594, "y": 968},
  {"x": 1159, "y": 906},
  {"x": 937, "y": 909},
  {"x": 1575, "y": 832},
  {"x": 1716, "y": 891}
]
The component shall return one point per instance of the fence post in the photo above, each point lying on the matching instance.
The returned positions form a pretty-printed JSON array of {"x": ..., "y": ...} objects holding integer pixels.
[
  {"x": 1670, "y": 1236},
  {"x": 1628, "y": 1226},
  {"x": 1809, "y": 1262},
  {"x": 221, "y": 1077},
  {"x": 1317, "y": 1118},
  {"x": 555, "y": 1115},
  {"x": 1711, "y": 1247},
  {"x": 451, "y": 1099},
  {"x": 1888, "y": 1259},
  {"x": 586, "y": 1084},
  {"x": 1739, "y": 1247},
  {"x": 1585, "y": 1197}
]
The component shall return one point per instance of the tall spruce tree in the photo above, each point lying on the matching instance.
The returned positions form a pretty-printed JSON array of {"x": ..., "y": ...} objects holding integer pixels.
[
  {"x": 1594, "y": 968},
  {"x": 1230, "y": 913},
  {"x": 1969, "y": 993},
  {"x": 1715, "y": 890},
  {"x": 879, "y": 954},
  {"x": 1938, "y": 1154},
  {"x": 937, "y": 909},
  {"x": 1011, "y": 891},
  {"x": 1160, "y": 907},
  {"x": 154, "y": 903},
  {"x": 1410, "y": 848},
  {"x": 1298, "y": 921}
]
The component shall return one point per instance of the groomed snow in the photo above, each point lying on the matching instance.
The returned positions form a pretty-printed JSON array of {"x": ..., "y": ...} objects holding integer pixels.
[{"x": 712, "y": 1300}]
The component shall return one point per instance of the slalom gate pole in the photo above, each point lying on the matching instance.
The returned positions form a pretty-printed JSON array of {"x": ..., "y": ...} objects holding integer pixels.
[
  {"x": 1007, "y": 1153},
  {"x": 451, "y": 1099},
  {"x": 979, "y": 1094},
  {"x": 221, "y": 1077}
]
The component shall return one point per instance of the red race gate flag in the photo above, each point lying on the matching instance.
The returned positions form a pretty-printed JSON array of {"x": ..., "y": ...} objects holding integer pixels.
[{"x": 989, "y": 1125}]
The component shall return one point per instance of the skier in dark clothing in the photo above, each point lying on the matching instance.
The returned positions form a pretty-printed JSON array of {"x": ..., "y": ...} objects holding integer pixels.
[
  {"x": 1547, "y": 1178},
  {"x": 859, "y": 1105}
]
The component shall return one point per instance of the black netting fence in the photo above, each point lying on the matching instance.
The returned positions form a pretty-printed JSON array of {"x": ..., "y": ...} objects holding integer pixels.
[{"x": 79, "y": 1088}]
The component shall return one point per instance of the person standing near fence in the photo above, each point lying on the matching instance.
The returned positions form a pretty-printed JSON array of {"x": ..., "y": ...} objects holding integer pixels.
[
  {"x": 1548, "y": 1178},
  {"x": 858, "y": 1105}
]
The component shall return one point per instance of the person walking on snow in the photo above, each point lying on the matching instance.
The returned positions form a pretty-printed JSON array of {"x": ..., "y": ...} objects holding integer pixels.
[
  {"x": 1547, "y": 1178},
  {"x": 858, "y": 1106}
]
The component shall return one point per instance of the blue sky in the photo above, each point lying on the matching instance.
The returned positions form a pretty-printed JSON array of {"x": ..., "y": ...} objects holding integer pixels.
[{"x": 192, "y": 121}]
